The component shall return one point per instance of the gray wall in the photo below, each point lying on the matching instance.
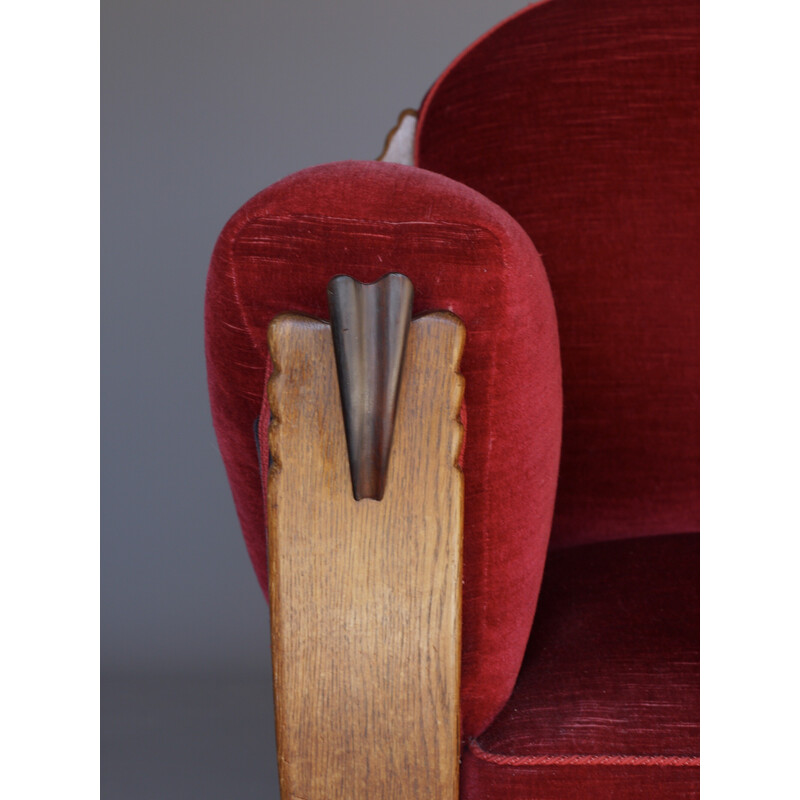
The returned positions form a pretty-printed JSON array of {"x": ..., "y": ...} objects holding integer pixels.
[{"x": 204, "y": 104}]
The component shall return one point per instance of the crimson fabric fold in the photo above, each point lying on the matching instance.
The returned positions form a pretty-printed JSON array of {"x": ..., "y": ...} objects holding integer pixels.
[{"x": 463, "y": 254}]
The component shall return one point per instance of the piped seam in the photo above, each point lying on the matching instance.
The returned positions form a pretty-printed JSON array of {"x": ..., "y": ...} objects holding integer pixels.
[{"x": 582, "y": 760}]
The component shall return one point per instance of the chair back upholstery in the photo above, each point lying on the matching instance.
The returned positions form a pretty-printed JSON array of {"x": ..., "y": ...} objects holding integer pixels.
[{"x": 581, "y": 119}]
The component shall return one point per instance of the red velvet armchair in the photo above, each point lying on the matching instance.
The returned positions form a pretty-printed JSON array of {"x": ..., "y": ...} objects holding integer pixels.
[{"x": 556, "y": 178}]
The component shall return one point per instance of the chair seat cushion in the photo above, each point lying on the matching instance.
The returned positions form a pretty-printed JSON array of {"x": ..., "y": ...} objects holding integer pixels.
[{"x": 608, "y": 695}]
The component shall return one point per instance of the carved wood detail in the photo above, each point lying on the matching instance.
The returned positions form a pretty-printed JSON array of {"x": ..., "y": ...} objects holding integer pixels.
[{"x": 365, "y": 595}]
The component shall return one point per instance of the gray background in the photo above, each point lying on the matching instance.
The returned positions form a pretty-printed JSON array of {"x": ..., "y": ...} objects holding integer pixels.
[{"x": 203, "y": 105}]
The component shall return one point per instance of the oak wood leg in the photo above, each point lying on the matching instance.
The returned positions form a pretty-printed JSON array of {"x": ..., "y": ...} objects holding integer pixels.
[{"x": 365, "y": 594}]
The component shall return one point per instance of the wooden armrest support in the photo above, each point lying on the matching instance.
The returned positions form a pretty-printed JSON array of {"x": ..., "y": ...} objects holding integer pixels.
[{"x": 365, "y": 595}]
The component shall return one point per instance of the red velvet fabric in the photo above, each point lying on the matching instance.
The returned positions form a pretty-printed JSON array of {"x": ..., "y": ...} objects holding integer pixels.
[
  {"x": 464, "y": 254},
  {"x": 611, "y": 672},
  {"x": 580, "y": 118}
]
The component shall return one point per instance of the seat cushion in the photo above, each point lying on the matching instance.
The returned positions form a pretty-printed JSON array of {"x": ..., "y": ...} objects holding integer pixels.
[
  {"x": 465, "y": 255},
  {"x": 608, "y": 695},
  {"x": 581, "y": 119}
]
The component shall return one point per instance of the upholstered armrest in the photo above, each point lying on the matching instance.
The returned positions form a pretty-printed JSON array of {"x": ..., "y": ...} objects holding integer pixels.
[{"x": 463, "y": 255}]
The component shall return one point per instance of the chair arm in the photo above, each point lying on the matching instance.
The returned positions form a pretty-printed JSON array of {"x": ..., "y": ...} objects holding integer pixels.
[{"x": 365, "y": 595}]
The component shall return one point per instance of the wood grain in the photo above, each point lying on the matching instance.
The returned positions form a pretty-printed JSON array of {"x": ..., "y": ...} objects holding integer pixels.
[{"x": 365, "y": 595}]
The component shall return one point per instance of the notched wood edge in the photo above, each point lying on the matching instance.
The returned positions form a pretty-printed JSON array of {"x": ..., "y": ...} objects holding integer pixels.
[
  {"x": 458, "y": 384},
  {"x": 274, "y": 430},
  {"x": 274, "y": 433},
  {"x": 275, "y": 380}
]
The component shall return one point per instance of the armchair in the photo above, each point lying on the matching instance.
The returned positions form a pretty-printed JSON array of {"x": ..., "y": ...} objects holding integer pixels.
[{"x": 573, "y": 125}]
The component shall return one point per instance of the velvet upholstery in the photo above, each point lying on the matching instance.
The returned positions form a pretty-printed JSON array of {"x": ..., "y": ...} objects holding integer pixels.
[
  {"x": 607, "y": 702},
  {"x": 463, "y": 254},
  {"x": 580, "y": 118}
]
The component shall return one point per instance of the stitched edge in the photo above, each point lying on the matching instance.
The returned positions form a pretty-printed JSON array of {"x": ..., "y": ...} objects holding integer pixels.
[{"x": 582, "y": 761}]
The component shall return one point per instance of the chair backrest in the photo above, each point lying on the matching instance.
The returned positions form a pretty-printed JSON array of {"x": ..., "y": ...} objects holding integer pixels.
[
  {"x": 465, "y": 255},
  {"x": 581, "y": 119}
]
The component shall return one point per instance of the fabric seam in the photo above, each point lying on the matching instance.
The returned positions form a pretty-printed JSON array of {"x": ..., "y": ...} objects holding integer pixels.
[{"x": 582, "y": 760}]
